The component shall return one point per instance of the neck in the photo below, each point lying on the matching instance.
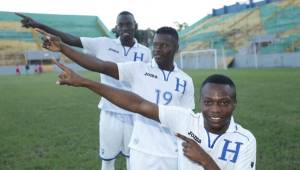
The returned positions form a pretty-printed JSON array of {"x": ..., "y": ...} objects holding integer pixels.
[
  {"x": 218, "y": 131},
  {"x": 128, "y": 43},
  {"x": 168, "y": 67}
]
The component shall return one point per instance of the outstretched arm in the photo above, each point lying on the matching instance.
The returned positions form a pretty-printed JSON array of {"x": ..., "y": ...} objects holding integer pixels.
[
  {"x": 195, "y": 153},
  {"x": 92, "y": 63},
  {"x": 69, "y": 39},
  {"x": 124, "y": 99}
]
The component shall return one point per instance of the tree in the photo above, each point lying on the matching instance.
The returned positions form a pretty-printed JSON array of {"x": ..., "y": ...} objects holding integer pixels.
[{"x": 181, "y": 26}]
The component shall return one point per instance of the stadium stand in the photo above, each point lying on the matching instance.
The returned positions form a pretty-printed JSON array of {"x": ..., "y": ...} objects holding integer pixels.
[
  {"x": 258, "y": 34},
  {"x": 16, "y": 41}
]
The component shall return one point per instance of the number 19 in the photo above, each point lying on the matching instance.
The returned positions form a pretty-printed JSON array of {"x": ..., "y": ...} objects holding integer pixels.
[{"x": 166, "y": 96}]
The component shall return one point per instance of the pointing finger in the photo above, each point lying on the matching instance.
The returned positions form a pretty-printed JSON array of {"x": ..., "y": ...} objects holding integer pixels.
[
  {"x": 21, "y": 15},
  {"x": 62, "y": 82},
  {"x": 61, "y": 66},
  {"x": 182, "y": 137},
  {"x": 47, "y": 35}
]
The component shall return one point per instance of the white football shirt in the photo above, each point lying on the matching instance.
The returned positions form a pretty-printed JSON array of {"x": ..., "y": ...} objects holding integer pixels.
[
  {"x": 108, "y": 49},
  {"x": 161, "y": 87},
  {"x": 233, "y": 150}
]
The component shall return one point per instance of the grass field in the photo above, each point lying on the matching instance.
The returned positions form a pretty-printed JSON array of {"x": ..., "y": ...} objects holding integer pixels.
[{"x": 44, "y": 126}]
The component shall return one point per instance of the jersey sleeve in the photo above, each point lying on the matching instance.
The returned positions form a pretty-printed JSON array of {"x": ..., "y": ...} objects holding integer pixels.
[
  {"x": 127, "y": 71},
  {"x": 188, "y": 100},
  {"x": 173, "y": 117},
  {"x": 247, "y": 158},
  {"x": 91, "y": 45}
]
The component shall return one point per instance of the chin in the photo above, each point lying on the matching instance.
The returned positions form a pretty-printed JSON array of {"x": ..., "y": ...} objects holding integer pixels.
[{"x": 156, "y": 59}]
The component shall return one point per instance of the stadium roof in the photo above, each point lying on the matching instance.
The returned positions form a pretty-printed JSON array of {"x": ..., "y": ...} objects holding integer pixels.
[{"x": 88, "y": 26}]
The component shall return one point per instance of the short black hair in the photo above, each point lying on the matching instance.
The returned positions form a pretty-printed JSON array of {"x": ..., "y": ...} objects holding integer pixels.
[
  {"x": 220, "y": 79},
  {"x": 125, "y": 13},
  {"x": 168, "y": 30}
]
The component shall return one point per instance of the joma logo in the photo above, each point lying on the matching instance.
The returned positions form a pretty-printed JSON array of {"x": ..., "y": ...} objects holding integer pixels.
[
  {"x": 194, "y": 136},
  {"x": 151, "y": 75}
]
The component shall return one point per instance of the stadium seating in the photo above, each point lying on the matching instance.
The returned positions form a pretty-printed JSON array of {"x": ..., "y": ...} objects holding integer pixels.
[{"x": 235, "y": 32}]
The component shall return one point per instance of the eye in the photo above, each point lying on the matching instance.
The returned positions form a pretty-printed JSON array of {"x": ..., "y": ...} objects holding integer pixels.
[
  {"x": 164, "y": 45},
  {"x": 225, "y": 102},
  {"x": 128, "y": 25},
  {"x": 208, "y": 102},
  {"x": 159, "y": 45}
]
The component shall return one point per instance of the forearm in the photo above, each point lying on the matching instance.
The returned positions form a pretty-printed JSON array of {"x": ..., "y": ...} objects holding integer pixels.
[
  {"x": 90, "y": 62},
  {"x": 124, "y": 99},
  {"x": 65, "y": 37}
]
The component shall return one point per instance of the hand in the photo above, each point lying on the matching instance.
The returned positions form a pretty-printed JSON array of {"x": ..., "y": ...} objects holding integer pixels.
[
  {"x": 27, "y": 22},
  {"x": 50, "y": 42},
  {"x": 68, "y": 76},
  {"x": 192, "y": 150}
]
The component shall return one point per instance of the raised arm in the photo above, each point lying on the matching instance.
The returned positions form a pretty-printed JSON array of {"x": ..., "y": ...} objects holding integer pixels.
[
  {"x": 124, "y": 99},
  {"x": 91, "y": 63},
  {"x": 69, "y": 39}
]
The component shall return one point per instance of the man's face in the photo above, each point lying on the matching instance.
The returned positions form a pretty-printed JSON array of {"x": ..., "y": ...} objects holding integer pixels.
[
  {"x": 126, "y": 28},
  {"x": 217, "y": 104},
  {"x": 164, "y": 49}
]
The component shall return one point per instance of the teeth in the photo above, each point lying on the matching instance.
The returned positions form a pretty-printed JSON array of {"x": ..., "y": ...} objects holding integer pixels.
[{"x": 215, "y": 118}]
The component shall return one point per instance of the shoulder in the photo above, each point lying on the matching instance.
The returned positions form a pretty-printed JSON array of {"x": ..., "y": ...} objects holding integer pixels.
[
  {"x": 185, "y": 75},
  {"x": 142, "y": 47},
  {"x": 245, "y": 134}
]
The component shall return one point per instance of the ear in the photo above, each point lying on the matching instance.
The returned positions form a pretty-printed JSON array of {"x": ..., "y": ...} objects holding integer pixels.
[
  {"x": 234, "y": 104},
  {"x": 177, "y": 47},
  {"x": 136, "y": 26},
  {"x": 115, "y": 31}
]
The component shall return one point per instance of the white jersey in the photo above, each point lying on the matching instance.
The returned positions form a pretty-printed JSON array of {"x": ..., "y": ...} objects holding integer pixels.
[
  {"x": 108, "y": 49},
  {"x": 233, "y": 150},
  {"x": 161, "y": 87}
]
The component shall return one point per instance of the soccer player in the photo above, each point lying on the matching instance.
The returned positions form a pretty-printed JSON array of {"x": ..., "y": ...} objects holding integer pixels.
[
  {"x": 215, "y": 140},
  {"x": 115, "y": 126},
  {"x": 162, "y": 82}
]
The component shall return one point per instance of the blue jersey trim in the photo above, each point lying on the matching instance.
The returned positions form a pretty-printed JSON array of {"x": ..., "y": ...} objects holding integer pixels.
[
  {"x": 236, "y": 131},
  {"x": 213, "y": 143},
  {"x": 126, "y": 52},
  {"x": 166, "y": 77}
]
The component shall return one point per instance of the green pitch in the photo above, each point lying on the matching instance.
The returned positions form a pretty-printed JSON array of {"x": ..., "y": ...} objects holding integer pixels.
[{"x": 44, "y": 126}]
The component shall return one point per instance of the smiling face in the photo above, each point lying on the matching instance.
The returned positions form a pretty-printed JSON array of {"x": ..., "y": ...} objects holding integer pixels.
[
  {"x": 126, "y": 27},
  {"x": 217, "y": 103},
  {"x": 164, "y": 49}
]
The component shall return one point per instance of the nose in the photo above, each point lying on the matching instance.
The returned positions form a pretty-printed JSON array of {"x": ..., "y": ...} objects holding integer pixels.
[
  {"x": 215, "y": 108},
  {"x": 156, "y": 49}
]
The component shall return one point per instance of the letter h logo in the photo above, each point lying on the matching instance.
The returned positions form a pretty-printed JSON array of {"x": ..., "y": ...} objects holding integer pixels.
[
  {"x": 235, "y": 151},
  {"x": 136, "y": 57},
  {"x": 180, "y": 85}
]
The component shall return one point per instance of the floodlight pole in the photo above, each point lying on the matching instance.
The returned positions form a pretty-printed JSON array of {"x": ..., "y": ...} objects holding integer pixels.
[
  {"x": 255, "y": 56},
  {"x": 181, "y": 60},
  {"x": 216, "y": 59}
]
